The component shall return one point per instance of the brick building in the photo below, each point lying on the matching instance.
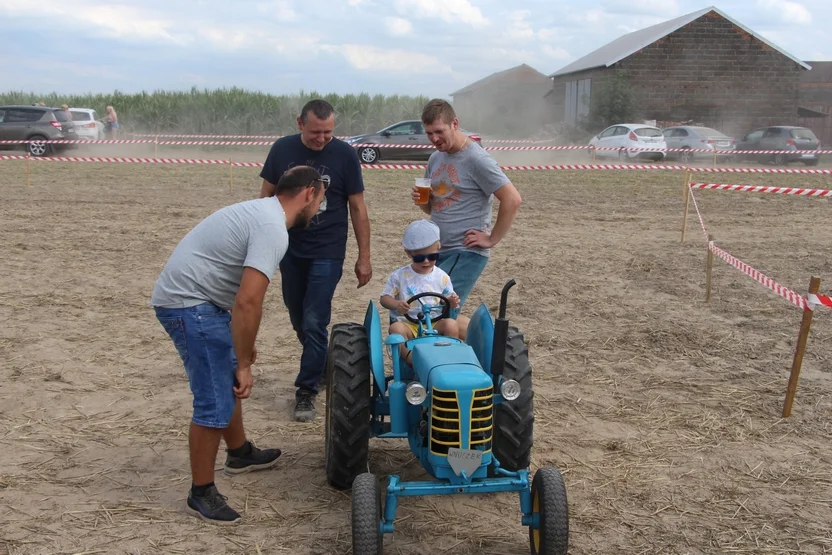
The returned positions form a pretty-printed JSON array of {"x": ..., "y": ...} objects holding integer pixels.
[
  {"x": 704, "y": 66},
  {"x": 815, "y": 108},
  {"x": 505, "y": 104}
]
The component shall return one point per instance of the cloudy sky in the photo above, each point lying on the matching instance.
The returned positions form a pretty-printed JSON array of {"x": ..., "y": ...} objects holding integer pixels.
[{"x": 431, "y": 47}]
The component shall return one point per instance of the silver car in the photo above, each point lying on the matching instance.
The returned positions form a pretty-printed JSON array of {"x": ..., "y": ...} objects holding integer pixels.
[
  {"x": 692, "y": 138},
  {"x": 397, "y": 142}
]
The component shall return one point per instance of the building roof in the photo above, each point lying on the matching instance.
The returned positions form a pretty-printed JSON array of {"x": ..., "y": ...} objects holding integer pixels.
[
  {"x": 496, "y": 76},
  {"x": 821, "y": 73},
  {"x": 629, "y": 44}
]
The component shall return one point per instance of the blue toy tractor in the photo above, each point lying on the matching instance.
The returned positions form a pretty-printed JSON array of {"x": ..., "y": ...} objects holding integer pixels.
[{"x": 465, "y": 408}]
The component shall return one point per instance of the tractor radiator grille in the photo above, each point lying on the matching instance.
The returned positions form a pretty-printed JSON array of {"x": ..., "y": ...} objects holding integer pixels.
[
  {"x": 482, "y": 419},
  {"x": 444, "y": 421}
]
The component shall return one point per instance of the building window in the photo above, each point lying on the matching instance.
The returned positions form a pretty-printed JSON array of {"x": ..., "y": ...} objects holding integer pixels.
[{"x": 577, "y": 101}]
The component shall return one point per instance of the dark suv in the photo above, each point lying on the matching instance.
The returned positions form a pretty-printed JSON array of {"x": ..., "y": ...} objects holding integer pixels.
[
  {"x": 37, "y": 124},
  {"x": 796, "y": 144}
]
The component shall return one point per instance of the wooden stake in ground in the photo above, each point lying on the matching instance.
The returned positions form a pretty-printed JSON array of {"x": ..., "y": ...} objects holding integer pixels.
[
  {"x": 687, "y": 203},
  {"x": 27, "y": 169},
  {"x": 800, "y": 350},
  {"x": 156, "y": 147},
  {"x": 709, "y": 267},
  {"x": 230, "y": 173}
]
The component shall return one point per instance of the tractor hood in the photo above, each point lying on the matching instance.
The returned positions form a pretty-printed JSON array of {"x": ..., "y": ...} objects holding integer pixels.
[{"x": 450, "y": 367}]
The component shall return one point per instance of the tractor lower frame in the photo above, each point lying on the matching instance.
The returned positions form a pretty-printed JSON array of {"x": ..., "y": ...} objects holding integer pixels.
[{"x": 507, "y": 482}]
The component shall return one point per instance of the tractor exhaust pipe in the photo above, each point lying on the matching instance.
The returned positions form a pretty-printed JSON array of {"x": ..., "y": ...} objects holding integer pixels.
[{"x": 498, "y": 348}]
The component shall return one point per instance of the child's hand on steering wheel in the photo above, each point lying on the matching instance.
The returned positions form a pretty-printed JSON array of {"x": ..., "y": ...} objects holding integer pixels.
[
  {"x": 402, "y": 307},
  {"x": 454, "y": 298}
]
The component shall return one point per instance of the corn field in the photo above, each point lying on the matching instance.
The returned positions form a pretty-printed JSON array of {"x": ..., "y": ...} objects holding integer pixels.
[{"x": 232, "y": 111}]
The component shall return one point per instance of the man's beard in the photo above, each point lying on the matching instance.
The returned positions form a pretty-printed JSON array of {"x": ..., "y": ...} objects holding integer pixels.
[{"x": 303, "y": 219}]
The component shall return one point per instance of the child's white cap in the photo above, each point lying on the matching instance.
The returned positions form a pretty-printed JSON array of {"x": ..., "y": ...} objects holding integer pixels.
[{"x": 420, "y": 235}]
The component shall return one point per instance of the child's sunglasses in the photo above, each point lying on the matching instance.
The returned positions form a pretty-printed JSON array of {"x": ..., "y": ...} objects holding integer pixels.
[{"x": 419, "y": 258}]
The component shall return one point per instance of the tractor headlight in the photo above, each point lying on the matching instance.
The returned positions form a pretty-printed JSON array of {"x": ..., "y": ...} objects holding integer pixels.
[
  {"x": 510, "y": 390},
  {"x": 415, "y": 393}
]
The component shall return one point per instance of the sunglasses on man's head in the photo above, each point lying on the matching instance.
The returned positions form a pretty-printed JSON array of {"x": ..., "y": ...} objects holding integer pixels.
[
  {"x": 323, "y": 182},
  {"x": 419, "y": 258}
]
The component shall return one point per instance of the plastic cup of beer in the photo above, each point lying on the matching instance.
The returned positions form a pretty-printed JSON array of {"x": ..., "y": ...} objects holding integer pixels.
[{"x": 423, "y": 188}]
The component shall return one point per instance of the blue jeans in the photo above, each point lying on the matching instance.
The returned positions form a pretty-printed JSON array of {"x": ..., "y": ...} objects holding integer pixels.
[
  {"x": 202, "y": 337},
  {"x": 464, "y": 268},
  {"x": 308, "y": 287}
]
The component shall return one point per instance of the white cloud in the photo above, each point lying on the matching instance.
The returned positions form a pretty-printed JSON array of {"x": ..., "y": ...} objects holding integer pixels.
[
  {"x": 450, "y": 11},
  {"x": 788, "y": 11},
  {"x": 372, "y": 58},
  {"x": 281, "y": 10},
  {"x": 113, "y": 21},
  {"x": 656, "y": 8},
  {"x": 354, "y": 2},
  {"x": 519, "y": 29},
  {"x": 555, "y": 52},
  {"x": 247, "y": 38},
  {"x": 398, "y": 27}
]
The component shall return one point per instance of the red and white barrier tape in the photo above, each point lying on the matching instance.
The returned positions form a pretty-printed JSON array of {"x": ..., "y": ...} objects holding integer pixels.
[
  {"x": 566, "y": 167},
  {"x": 82, "y": 141},
  {"x": 813, "y": 301},
  {"x": 698, "y": 213},
  {"x": 759, "y": 189},
  {"x": 800, "y": 171},
  {"x": 109, "y": 159},
  {"x": 251, "y": 141},
  {"x": 190, "y": 136},
  {"x": 794, "y": 298}
]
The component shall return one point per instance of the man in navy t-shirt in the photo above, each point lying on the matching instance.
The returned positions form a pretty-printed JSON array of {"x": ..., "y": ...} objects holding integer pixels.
[{"x": 313, "y": 265}]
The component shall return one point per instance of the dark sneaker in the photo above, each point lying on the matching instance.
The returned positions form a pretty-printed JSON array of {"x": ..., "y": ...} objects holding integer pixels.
[
  {"x": 304, "y": 406},
  {"x": 256, "y": 459},
  {"x": 211, "y": 507}
]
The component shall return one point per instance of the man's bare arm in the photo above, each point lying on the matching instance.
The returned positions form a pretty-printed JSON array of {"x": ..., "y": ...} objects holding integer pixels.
[
  {"x": 245, "y": 316},
  {"x": 266, "y": 190},
  {"x": 361, "y": 226},
  {"x": 510, "y": 202}
]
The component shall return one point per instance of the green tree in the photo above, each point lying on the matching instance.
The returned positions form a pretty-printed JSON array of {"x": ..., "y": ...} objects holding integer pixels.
[{"x": 611, "y": 102}]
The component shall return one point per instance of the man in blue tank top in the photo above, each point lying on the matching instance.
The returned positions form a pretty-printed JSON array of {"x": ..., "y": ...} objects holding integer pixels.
[{"x": 314, "y": 263}]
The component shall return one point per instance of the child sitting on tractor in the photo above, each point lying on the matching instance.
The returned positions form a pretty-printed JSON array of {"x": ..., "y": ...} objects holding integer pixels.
[{"x": 421, "y": 243}]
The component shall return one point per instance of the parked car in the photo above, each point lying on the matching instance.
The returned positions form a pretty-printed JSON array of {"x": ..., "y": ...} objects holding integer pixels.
[
  {"x": 693, "y": 138},
  {"x": 36, "y": 124},
  {"x": 630, "y": 140},
  {"x": 395, "y": 140},
  {"x": 796, "y": 144},
  {"x": 87, "y": 124}
]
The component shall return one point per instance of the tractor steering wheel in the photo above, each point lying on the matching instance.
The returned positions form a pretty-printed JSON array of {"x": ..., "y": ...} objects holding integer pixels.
[{"x": 446, "y": 309}]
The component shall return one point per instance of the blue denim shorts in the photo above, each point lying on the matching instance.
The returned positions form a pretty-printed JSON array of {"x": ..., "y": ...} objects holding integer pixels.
[
  {"x": 464, "y": 268},
  {"x": 202, "y": 337}
]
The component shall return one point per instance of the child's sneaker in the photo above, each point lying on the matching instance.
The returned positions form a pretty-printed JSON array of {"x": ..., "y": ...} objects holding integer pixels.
[
  {"x": 211, "y": 507},
  {"x": 255, "y": 459}
]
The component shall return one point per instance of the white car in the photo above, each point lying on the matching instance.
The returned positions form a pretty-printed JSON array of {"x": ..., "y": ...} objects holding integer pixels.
[
  {"x": 86, "y": 124},
  {"x": 630, "y": 140}
]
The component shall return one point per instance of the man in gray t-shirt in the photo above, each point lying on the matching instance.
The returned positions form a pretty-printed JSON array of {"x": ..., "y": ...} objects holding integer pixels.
[
  {"x": 464, "y": 181},
  {"x": 209, "y": 299}
]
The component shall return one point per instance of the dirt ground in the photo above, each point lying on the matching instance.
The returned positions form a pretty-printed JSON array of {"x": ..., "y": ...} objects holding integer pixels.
[{"x": 662, "y": 412}]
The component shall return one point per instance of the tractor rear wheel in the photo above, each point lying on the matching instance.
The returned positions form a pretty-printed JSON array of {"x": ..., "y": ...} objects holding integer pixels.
[
  {"x": 514, "y": 420},
  {"x": 348, "y": 397},
  {"x": 367, "y": 538},
  {"x": 551, "y": 537}
]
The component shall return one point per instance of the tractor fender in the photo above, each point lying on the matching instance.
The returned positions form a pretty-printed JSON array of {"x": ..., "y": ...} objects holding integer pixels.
[
  {"x": 481, "y": 336},
  {"x": 372, "y": 323}
]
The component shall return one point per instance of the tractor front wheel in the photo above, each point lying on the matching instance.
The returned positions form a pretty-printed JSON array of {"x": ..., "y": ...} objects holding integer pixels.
[
  {"x": 348, "y": 397},
  {"x": 514, "y": 420},
  {"x": 551, "y": 537},
  {"x": 367, "y": 538}
]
